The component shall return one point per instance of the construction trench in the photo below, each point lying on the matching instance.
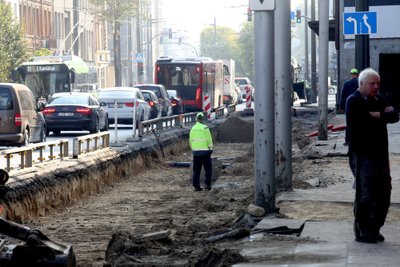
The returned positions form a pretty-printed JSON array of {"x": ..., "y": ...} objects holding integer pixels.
[
  {"x": 130, "y": 207},
  {"x": 33, "y": 196}
]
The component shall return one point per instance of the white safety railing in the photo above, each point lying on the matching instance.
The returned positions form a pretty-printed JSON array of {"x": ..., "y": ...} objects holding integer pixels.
[
  {"x": 158, "y": 124},
  {"x": 88, "y": 143},
  {"x": 26, "y": 154}
]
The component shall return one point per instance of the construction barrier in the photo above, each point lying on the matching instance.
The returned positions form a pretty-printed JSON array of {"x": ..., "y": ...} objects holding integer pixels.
[
  {"x": 207, "y": 106},
  {"x": 248, "y": 98}
]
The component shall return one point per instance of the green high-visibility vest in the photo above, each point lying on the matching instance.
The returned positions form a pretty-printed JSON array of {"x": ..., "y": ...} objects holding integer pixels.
[{"x": 200, "y": 138}]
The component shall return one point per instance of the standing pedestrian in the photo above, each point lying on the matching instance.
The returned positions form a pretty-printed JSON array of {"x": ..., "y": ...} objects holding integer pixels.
[
  {"x": 201, "y": 143},
  {"x": 349, "y": 87},
  {"x": 367, "y": 116}
]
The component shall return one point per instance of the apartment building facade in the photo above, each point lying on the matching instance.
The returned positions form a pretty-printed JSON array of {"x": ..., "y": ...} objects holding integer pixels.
[{"x": 71, "y": 27}]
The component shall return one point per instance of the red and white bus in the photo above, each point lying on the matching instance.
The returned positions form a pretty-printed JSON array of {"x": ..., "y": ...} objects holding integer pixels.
[{"x": 192, "y": 78}]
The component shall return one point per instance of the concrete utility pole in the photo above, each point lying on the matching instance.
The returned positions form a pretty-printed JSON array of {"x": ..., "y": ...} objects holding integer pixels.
[
  {"x": 323, "y": 9},
  {"x": 306, "y": 64},
  {"x": 313, "y": 57},
  {"x": 264, "y": 141},
  {"x": 283, "y": 91},
  {"x": 362, "y": 41}
]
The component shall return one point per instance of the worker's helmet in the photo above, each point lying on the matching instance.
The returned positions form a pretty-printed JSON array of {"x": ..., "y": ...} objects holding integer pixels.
[{"x": 200, "y": 115}]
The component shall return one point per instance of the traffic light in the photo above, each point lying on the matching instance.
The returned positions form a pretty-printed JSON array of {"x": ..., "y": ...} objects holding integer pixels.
[
  {"x": 298, "y": 16},
  {"x": 249, "y": 15}
]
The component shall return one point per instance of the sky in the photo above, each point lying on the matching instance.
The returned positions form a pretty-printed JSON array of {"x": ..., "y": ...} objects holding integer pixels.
[{"x": 193, "y": 15}]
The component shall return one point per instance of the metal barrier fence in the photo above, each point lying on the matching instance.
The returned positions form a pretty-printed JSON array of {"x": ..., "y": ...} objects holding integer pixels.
[
  {"x": 148, "y": 127},
  {"x": 220, "y": 112},
  {"x": 91, "y": 142},
  {"x": 26, "y": 153}
]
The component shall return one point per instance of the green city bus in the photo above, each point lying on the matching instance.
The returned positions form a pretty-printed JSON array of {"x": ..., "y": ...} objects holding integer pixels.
[{"x": 47, "y": 75}]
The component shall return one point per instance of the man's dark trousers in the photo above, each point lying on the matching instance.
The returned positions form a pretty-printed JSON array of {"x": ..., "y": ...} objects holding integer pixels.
[
  {"x": 373, "y": 189},
  {"x": 198, "y": 162}
]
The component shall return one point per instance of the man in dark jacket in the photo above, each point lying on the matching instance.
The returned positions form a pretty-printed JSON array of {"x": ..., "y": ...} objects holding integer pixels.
[
  {"x": 349, "y": 87},
  {"x": 367, "y": 114}
]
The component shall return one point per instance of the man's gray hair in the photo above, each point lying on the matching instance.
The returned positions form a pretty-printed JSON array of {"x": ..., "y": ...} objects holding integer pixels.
[{"x": 365, "y": 74}]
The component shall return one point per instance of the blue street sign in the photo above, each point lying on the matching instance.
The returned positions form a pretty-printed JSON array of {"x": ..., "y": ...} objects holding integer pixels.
[
  {"x": 359, "y": 23},
  {"x": 139, "y": 58},
  {"x": 291, "y": 15}
]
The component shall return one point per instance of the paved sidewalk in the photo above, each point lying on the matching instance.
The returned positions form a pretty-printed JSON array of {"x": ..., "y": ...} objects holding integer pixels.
[{"x": 334, "y": 240}]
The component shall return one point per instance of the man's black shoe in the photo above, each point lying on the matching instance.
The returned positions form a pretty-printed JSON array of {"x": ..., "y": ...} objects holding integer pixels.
[
  {"x": 380, "y": 237},
  {"x": 207, "y": 187},
  {"x": 366, "y": 239},
  {"x": 198, "y": 189}
]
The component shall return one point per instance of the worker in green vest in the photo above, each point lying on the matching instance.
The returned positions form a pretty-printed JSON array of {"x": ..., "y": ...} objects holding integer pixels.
[{"x": 201, "y": 143}]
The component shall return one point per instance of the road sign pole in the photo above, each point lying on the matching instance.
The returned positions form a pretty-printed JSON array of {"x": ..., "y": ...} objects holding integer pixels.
[
  {"x": 264, "y": 106},
  {"x": 362, "y": 60}
]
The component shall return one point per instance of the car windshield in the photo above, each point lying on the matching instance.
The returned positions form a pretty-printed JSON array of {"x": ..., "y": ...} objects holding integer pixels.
[
  {"x": 155, "y": 89},
  {"x": 241, "y": 81},
  {"x": 146, "y": 96},
  {"x": 172, "y": 93},
  {"x": 117, "y": 94},
  {"x": 69, "y": 99}
]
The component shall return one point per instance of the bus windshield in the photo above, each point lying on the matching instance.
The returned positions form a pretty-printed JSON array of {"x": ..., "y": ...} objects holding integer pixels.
[
  {"x": 184, "y": 78},
  {"x": 54, "y": 74},
  {"x": 45, "y": 84}
]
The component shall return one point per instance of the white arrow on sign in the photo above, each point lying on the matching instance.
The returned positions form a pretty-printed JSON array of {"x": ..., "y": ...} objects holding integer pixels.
[
  {"x": 350, "y": 19},
  {"x": 262, "y": 5},
  {"x": 365, "y": 18}
]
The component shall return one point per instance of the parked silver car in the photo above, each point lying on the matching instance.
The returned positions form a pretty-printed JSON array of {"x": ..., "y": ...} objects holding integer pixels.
[
  {"x": 126, "y": 98},
  {"x": 21, "y": 121}
]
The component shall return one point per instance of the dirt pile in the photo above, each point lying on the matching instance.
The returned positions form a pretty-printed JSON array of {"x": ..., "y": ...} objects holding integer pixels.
[{"x": 236, "y": 130}]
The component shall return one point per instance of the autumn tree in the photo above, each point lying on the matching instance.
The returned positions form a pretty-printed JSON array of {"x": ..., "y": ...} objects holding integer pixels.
[
  {"x": 116, "y": 12},
  {"x": 218, "y": 42},
  {"x": 13, "y": 47},
  {"x": 245, "y": 42}
]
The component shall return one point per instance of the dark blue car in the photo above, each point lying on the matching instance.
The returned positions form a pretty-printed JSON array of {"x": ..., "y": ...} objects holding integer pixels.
[{"x": 75, "y": 112}]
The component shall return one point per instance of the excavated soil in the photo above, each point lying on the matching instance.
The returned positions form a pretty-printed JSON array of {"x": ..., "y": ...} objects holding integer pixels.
[{"x": 155, "y": 218}]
